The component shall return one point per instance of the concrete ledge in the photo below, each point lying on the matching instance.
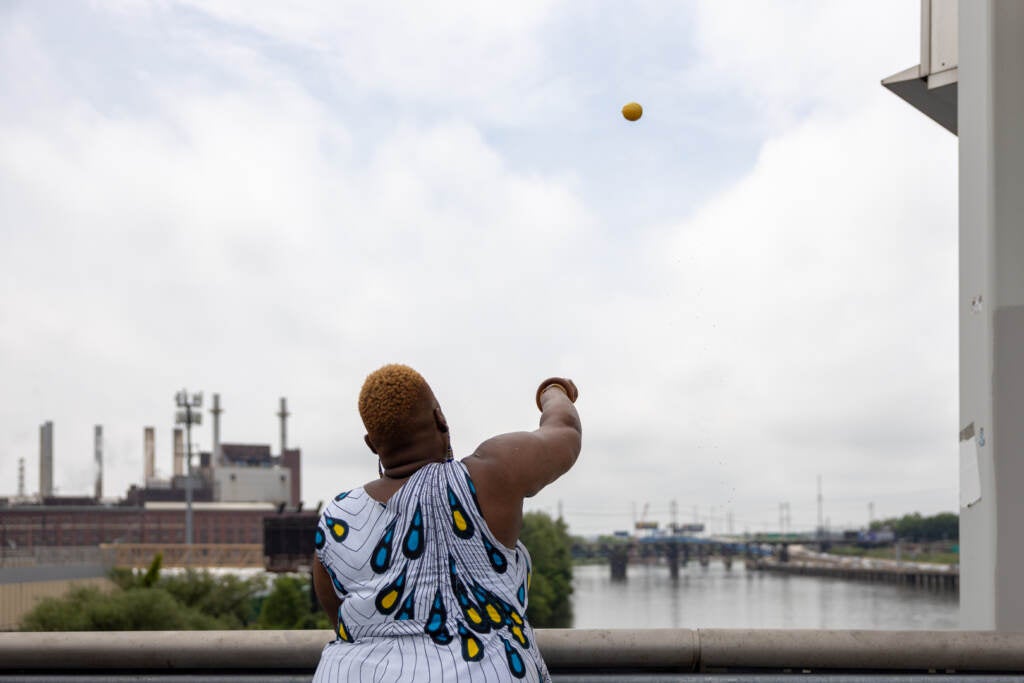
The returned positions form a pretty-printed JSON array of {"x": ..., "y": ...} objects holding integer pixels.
[
  {"x": 678, "y": 650},
  {"x": 670, "y": 649},
  {"x": 861, "y": 650}
]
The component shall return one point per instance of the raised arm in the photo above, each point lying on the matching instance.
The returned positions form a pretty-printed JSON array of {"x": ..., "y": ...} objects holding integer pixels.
[{"x": 510, "y": 467}]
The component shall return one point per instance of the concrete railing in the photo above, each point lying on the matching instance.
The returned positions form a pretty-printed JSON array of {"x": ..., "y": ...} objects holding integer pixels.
[{"x": 565, "y": 650}]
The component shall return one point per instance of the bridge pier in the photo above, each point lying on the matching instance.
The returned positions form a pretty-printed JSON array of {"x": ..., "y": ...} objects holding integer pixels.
[
  {"x": 618, "y": 559},
  {"x": 672, "y": 555}
]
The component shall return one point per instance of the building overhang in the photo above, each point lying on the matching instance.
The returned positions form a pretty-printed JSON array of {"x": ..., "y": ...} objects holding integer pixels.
[{"x": 931, "y": 86}]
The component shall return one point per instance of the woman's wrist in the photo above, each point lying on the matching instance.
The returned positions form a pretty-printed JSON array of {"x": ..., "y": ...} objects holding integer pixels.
[
  {"x": 555, "y": 386},
  {"x": 565, "y": 386}
]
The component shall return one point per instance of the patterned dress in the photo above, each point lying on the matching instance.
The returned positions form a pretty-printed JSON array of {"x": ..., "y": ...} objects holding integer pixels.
[{"x": 428, "y": 593}]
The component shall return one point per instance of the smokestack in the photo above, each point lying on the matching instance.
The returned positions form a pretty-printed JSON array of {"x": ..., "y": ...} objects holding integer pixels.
[
  {"x": 283, "y": 414},
  {"x": 21, "y": 477},
  {"x": 149, "y": 454},
  {"x": 98, "y": 450},
  {"x": 216, "y": 411},
  {"x": 179, "y": 452},
  {"x": 46, "y": 459}
]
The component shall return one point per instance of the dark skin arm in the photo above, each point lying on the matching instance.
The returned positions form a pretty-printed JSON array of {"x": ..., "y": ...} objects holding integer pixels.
[
  {"x": 510, "y": 467},
  {"x": 322, "y": 585}
]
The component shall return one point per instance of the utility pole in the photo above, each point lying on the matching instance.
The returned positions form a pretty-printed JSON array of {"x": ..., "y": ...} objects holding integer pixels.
[{"x": 188, "y": 417}]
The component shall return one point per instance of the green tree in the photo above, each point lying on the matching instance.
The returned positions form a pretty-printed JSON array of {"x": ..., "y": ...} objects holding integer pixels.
[
  {"x": 550, "y": 546},
  {"x": 135, "y": 609},
  {"x": 287, "y": 605},
  {"x": 150, "y": 601},
  {"x": 944, "y": 526},
  {"x": 229, "y": 599}
]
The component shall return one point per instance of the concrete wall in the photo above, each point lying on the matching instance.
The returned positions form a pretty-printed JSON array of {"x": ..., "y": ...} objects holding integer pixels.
[
  {"x": 17, "y": 599},
  {"x": 252, "y": 484}
]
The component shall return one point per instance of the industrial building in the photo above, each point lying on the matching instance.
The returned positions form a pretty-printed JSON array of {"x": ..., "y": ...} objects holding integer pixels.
[{"x": 233, "y": 488}]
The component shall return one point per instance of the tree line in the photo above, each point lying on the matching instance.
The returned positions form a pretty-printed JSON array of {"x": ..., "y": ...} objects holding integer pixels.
[{"x": 944, "y": 526}]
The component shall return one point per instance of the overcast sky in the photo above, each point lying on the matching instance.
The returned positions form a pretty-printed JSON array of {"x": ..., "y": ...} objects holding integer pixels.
[{"x": 752, "y": 286}]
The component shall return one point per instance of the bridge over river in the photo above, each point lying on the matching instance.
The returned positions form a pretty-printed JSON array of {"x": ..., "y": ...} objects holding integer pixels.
[{"x": 775, "y": 553}]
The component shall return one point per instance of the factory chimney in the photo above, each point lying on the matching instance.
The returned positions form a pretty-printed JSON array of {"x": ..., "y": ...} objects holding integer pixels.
[
  {"x": 149, "y": 455},
  {"x": 46, "y": 459},
  {"x": 98, "y": 450},
  {"x": 283, "y": 414},
  {"x": 21, "y": 478},
  {"x": 216, "y": 411},
  {"x": 179, "y": 452}
]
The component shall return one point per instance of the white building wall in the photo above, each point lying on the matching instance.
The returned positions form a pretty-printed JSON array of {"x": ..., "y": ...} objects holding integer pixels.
[{"x": 251, "y": 484}]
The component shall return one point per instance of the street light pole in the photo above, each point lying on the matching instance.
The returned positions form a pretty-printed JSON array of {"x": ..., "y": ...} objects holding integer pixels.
[
  {"x": 188, "y": 418},
  {"x": 188, "y": 474}
]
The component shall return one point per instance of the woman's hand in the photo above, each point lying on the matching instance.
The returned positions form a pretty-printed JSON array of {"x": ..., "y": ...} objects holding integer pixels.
[{"x": 567, "y": 386}]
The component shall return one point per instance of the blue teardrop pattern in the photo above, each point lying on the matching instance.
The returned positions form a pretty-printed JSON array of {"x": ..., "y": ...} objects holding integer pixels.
[
  {"x": 470, "y": 610},
  {"x": 319, "y": 540},
  {"x": 337, "y": 583},
  {"x": 413, "y": 544},
  {"x": 436, "y": 619},
  {"x": 408, "y": 608},
  {"x": 380, "y": 559},
  {"x": 342, "y": 496},
  {"x": 342, "y": 629},
  {"x": 515, "y": 660},
  {"x": 472, "y": 648},
  {"x": 390, "y": 596},
  {"x": 498, "y": 561},
  {"x": 521, "y": 594},
  {"x": 472, "y": 492},
  {"x": 462, "y": 525},
  {"x": 337, "y": 527}
]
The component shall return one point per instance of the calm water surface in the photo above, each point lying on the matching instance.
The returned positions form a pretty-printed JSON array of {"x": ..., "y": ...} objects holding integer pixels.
[{"x": 713, "y": 597}]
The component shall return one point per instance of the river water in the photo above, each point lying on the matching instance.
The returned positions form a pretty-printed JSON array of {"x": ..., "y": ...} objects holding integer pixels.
[{"x": 714, "y": 597}]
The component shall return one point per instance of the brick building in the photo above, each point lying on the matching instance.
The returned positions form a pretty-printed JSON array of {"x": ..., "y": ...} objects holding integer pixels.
[{"x": 29, "y": 526}]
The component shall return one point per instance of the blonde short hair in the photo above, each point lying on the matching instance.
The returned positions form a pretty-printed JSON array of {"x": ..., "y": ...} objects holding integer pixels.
[{"x": 388, "y": 399}]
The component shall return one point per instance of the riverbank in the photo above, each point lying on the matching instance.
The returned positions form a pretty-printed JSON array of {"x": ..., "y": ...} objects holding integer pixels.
[
  {"x": 911, "y": 553},
  {"x": 926, "y": 575}
]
